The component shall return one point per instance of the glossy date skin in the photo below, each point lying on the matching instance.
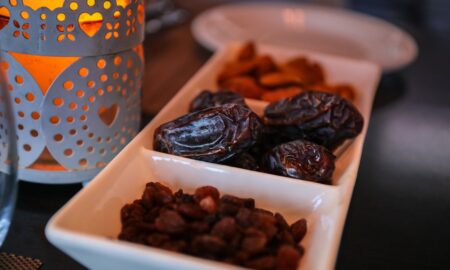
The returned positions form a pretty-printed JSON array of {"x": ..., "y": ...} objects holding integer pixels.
[
  {"x": 215, "y": 134},
  {"x": 323, "y": 118},
  {"x": 207, "y": 99},
  {"x": 300, "y": 159}
]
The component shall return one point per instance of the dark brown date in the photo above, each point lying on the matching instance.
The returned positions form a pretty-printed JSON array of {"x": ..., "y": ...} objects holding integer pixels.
[
  {"x": 208, "y": 99},
  {"x": 302, "y": 160},
  {"x": 245, "y": 161},
  {"x": 214, "y": 135},
  {"x": 323, "y": 118}
]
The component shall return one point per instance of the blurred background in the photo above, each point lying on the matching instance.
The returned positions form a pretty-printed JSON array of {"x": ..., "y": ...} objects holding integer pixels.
[{"x": 168, "y": 28}]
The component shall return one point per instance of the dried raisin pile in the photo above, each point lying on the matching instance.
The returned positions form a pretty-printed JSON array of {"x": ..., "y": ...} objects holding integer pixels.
[{"x": 205, "y": 224}]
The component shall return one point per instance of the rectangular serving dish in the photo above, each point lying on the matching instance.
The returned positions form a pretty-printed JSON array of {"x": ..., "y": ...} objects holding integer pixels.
[{"x": 86, "y": 228}]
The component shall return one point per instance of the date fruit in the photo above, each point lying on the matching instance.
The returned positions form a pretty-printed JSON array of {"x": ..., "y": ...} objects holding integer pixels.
[
  {"x": 245, "y": 161},
  {"x": 323, "y": 118},
  {"x": 214, "y": 135},
  {"x": 302, "y": 160},
  {"x": 207, "y": 99}
]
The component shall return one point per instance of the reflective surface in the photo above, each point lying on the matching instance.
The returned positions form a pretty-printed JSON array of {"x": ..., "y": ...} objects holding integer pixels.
[{"x": 8, "y": 160}]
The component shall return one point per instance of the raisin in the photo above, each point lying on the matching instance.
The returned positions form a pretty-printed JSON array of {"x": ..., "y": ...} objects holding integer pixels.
[
  {"x": 298, "y": 229},
  {"x": 244, "y": 217},
  {"x": 157, "y": 239},
  {"x": 199, "y": 227},
  {"x": 209, "y": 205},
  {"x": 208, "y": 245},
  {"x": 248, "y": 202},
  {"x": 157, "y": 193},
  {"x": 282, "y": 223},
  {"x": 181, "y": 197},
  {"x": 205, "y": 191},
  {"x": 226, "y": 228},
  {"x": 264, "y": 263},
  {"x": 254, "y": 241},
  {"x": 190, "y": 210},
  {"x": 285, "y": 237},
  {"x": 287, "y": 258},
  {"x": 170, "y": 222}
]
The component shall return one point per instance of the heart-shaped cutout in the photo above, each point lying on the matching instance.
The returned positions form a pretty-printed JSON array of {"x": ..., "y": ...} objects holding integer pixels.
[
  {"x": 123, "y": 3},
  {"x": 90, "y": 23},
  {"x": 4, "y": 17},
  {"x": 108, "y": 115}
]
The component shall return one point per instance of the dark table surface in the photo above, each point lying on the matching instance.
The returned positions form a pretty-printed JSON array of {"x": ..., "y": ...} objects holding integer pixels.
[{"x": 399, "y": 216}]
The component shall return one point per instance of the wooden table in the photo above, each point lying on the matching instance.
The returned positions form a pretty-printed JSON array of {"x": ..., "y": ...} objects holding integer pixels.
[{"x": 399, "y": 216}]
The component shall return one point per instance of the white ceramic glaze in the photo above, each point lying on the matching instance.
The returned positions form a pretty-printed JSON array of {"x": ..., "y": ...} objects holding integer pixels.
[
  {"x": 319, "y": 28},
  {"x": 86, "y": 228}
]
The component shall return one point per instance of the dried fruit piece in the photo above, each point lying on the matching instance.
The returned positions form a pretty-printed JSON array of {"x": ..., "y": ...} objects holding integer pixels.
[
  {"x": 254, "y": 241},
  {"x": 281, "y": 222},
  {"x": 170, "y": 222},
  {"x": 287, "y": 258},
  {"x": 280, "y": 93},
  {"x": 244, "y": 217},
  {"x": 215, "y": 135},
  {"x": 308, "y": 72},
  {"x": 250, "y": 237},
  {"x": 190, "y": 210},
  {"x": 157, "y": 239},
  {"x": 245, "y": 161},
  {"x": 323, "y": 118},
  {"x": 225, "y": 228},
  {"x": 298, "y": 229},
  {"x": 156, "y": 193},
  {"x": 264, "y": 263},
  {"x": 236, "y": 69},
  {"x": 264, "y": 64},
  {"x": 343, "y": 90},
  {"x": 209, "y": 205},
  {"x": 247, "y": 52},
  {"x": 243, "y": 85},
  {"x": 302, "y": 160},
  {"x": 279, "y": 79},
  {"x": 207, "y": 99},
  {"x": 207, "y": 245},
  {"x": 205, "y": 191},
  {"x": 176, "y": 245}
]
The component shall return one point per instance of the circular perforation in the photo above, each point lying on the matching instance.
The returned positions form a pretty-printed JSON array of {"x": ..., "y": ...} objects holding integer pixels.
[
  {"x": 27, "y": 98},
  {"x": 81, "y": 27},
  {"x": 87, "y": 118}
]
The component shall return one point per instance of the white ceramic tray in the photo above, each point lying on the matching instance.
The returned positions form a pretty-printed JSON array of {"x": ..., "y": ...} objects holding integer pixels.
[{"x": 86, "y": 228}]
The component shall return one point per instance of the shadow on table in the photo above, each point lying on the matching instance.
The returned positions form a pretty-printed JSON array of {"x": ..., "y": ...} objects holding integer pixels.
[{"x": 391, "y": 88}]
